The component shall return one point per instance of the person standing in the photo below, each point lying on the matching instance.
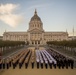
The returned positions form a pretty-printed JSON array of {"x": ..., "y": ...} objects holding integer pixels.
[
  {"x": 42, "y": 63},
  {"x": 46, "y": 64},
  {"x": 3, "y": 63},
  {"x": 32, "y": 62},
  {"x": 0, "y": 64},
  {"x": 7, "y": 63},
  {"x": 72, "y": 64}
]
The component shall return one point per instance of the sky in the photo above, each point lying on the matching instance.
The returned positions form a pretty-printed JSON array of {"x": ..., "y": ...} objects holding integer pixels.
[{"x": 56, "y": 15}]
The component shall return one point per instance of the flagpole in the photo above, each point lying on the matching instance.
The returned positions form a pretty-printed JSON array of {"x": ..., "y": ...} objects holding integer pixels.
[{"x": 73, "y": 32}]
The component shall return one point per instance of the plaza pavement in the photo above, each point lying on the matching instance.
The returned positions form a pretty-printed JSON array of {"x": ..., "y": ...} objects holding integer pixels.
[{"x": 35, "y": 71}]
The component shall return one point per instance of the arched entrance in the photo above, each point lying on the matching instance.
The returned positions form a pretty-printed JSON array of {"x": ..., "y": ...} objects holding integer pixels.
[{"x": 36, "y": 42}]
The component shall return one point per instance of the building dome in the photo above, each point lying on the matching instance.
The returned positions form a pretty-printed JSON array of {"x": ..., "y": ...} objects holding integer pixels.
[
  {"x": 35, "y": 23},
  {"x": 35, "y": 17}
]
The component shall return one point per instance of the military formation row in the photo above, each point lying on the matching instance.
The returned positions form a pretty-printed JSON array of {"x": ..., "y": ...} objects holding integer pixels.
[
  {"x": 39, "y": 57},
  {"x": 62, "y": 61},
  {"x": 19, "y": 58}
]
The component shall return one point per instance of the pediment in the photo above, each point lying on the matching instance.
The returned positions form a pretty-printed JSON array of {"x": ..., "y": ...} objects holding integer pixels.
[{"x": 36, "y": 30}]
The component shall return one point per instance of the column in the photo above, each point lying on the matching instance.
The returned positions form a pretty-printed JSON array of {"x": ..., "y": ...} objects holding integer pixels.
[
  {"x": 34, "y": 42},
  {"x": 37, "y": 42}
]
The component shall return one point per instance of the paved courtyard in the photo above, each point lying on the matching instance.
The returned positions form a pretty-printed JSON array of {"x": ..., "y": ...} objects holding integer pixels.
[{"x": 39, "y": 71}]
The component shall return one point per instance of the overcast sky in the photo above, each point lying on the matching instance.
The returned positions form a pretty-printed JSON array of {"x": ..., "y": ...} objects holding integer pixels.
[{"x": 56, "y": 15}]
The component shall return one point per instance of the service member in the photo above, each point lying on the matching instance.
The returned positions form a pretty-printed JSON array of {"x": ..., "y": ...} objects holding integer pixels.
[
  {"x": 0, "y": 64},
  {"x": 3, "y": 63}
]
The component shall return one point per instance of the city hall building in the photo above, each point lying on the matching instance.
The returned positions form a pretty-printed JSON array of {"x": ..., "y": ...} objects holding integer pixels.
[{"x": 35, "y": 34}]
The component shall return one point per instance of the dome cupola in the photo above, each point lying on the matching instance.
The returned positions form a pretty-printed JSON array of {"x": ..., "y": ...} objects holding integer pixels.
[{"x": 35, "y": 17}]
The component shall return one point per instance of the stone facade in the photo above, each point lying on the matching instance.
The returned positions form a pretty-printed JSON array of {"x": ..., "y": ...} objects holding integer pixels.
[{"x": 35, "y": 35}]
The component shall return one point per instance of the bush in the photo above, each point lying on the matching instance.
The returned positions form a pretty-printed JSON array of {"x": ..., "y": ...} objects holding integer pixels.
[
  {"x": 71, "y": 43},
  {"x": 11, "y": 43}
]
